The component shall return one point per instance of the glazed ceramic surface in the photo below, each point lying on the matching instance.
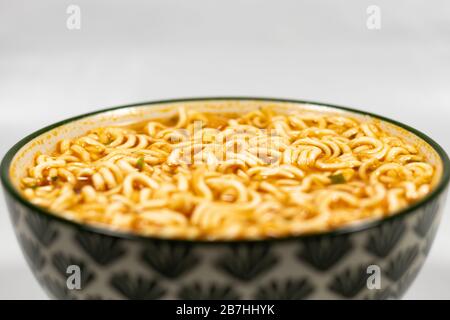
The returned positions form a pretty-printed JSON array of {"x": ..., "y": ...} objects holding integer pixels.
[{"x": 333, "y": 265}]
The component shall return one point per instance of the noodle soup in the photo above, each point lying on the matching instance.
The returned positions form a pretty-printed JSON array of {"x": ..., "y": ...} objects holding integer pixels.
[
  {"x": 226, "y": 198},
  {"x": 261, "y": 173}
]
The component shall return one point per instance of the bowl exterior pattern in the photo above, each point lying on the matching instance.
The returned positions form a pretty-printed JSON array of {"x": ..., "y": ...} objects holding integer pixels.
[{"x": 330, "y": 266}]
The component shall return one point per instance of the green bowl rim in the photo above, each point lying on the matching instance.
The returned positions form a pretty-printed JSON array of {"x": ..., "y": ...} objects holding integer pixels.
[{"x": 439, "y": 189}]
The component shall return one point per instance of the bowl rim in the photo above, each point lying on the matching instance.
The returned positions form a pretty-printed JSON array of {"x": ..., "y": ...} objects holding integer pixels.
[{"x": 345, "y": 230}]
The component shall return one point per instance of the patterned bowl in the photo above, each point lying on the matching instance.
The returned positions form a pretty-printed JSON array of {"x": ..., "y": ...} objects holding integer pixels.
[{"x": 374, "y": 260}]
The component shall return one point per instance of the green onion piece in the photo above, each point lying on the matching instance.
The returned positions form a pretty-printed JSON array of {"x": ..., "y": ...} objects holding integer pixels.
[
  {"x": 140, "y": 163},
  {"x": 337, "y": 179},
  {"x": 54, "y": 178}
]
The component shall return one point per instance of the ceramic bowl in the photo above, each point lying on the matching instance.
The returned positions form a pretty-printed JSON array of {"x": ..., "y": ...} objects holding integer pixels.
[{"x": 340, "y": 264}]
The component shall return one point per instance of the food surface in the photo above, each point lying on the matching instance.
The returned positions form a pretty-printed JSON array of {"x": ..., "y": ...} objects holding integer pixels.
[{"x": 261, "y": 174}]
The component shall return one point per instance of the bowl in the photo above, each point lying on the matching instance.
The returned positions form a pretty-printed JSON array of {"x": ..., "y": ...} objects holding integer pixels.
[{"x": 373, "y": 260}]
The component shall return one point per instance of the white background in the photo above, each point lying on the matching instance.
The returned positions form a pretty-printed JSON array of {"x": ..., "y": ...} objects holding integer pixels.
[{"x": 130, "y": 51}]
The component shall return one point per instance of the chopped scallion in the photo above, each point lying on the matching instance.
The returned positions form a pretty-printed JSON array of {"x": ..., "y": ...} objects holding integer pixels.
[
  {"x": 337, "y": 179},
  {"x": 140, "y": 163}
]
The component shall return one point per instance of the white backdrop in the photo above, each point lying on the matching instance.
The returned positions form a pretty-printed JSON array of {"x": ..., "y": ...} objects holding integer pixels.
[{"x": 130, "y": 51}]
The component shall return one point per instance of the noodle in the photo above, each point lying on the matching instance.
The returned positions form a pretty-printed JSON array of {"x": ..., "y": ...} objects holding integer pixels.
[{"x": 228, "y": 176}]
